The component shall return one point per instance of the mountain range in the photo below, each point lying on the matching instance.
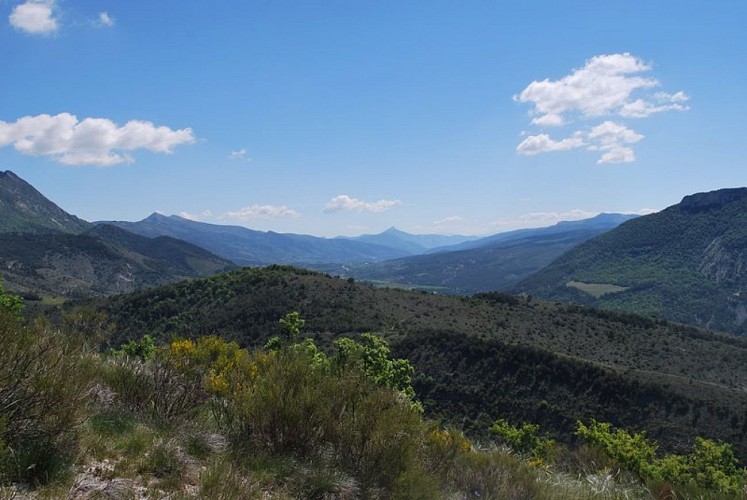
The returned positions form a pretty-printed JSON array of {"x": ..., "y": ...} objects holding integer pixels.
[
  {"x": 414, "y": 244},
  {"x": 44, "y": 251},
  {"x": 248, "y": 247},
  {"x": 485, "y": 264},
  {"x": 687, "y": 263}
]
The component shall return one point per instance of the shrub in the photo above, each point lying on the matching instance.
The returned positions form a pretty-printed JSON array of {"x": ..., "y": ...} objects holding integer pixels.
[
  {"x": 143, "y": 349},
  {"x": 285, "y": 408},
  {"x": 710, "y": 465},
  {"x": 42, "y": 393},
  {"x": 153, "y": 390},
  {"x": 632, "y": 451},
  {"x": 372, "y": 355},
  {"x": 524, "y": 439},
  {"x": 376, "y": 434}
]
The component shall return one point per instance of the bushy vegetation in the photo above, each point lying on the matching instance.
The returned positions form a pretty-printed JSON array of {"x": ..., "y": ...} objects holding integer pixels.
[
  {"x": 205, "y": 417},
  {"x": 480, "y": 357},
  {"x": 41, "y": 397},
  {"x": 710, "y": 465}
]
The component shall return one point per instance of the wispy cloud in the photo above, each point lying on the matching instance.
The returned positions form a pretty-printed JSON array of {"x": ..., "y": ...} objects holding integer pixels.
[
  {"x": 452, "y": 219},
  {"x": 35, "y": 17},
  {"x": 254, "y": 212},
  {"x": 541, "y": 143},
  {"x": 205, "y": 214},
  {"x": 238, "y": 155},
  {"x": 104, "y": 20},
  {"x": 91, "y": 141},
  {"x": 345, "y": 202},
  {"x": 603, "y": 88}
]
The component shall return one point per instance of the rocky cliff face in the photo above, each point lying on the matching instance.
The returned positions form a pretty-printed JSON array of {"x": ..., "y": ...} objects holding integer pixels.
[
  {"x": 720, "y": 197},
  {"x": 722, "y": 263}
]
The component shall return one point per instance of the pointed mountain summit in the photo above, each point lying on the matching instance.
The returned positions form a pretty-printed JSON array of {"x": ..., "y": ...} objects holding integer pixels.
[
  {"x": 250, "y": 247},
  {"x": 687, "y": 263},
  {"x": 23, "y": 209},
  {"x": 487, "y": 264}
]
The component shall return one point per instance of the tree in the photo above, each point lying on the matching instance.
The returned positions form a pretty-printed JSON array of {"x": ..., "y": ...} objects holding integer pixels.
[
  {"x": 10, "y": 303},
  {"x": 291, "y": 324}
]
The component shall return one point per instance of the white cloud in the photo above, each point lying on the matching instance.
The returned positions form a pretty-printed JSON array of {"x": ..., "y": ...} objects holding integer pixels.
[
  {"x": 453, "y": 219},
  {"x": 92, "y": 141},
  {"x": 104, "y": 20},
  {"x": 260, "y": 212},
  {"x": 205, "y": 214},
  {"x": 35, "y": 17},
  {"x": 549, "y": 120},
  {"x": 603, "y": 87},
  {"x": 345, "y": 202},
  {"x": 542, "y": 143},
  {"x": 612, "y": 138},
  {"x": 643, "y": 109},
  {"x": 238, "y": 155}
]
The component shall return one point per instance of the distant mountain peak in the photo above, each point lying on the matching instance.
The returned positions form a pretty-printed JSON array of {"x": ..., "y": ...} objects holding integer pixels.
[{"x": 157, "y": 216}]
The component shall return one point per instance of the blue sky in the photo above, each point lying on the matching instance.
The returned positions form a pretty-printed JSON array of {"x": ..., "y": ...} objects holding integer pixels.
[{"x": 347, "y": 117}]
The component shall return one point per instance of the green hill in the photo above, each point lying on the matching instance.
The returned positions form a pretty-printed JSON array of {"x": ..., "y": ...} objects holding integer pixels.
[
  {"x": 24, "y": 209},
  {"x": 482, "y": 357},
  {"x": 687, "y": 263}
]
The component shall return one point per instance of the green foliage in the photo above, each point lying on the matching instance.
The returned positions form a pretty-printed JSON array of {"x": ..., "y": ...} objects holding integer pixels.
[
  {"x": 9, "y": 303},
  {"x": 632, "y": 451},
  {"x": 291, "y": 325},
  {"x": 713, "y": 465},
  {"x": 144, "y": 349},
  {"x": 478, "y": 357},
  {"x": 524, "y": 439},
  {"x": 373, "y": 356},
  {"x": 43, "y": 388},
  {"x": 710, "y": 465}
]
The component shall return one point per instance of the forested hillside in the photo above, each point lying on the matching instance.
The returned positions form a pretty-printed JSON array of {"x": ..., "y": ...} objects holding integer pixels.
[
  {"x": 524, "y": 358},
  {"x": 687, "y": 263}
]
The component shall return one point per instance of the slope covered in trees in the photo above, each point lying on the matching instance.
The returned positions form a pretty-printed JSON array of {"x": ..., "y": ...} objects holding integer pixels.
[
  {"x": 687, "y": 263},
  {"x": 525, "y": 358}
]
